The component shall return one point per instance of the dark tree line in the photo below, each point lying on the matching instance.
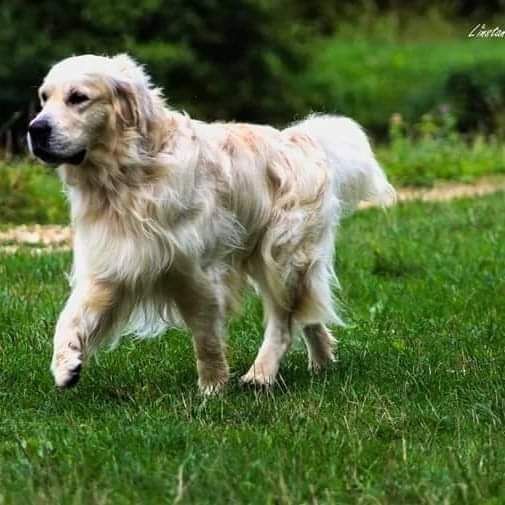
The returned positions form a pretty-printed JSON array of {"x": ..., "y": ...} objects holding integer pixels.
[{"x": 216, "y": 59}]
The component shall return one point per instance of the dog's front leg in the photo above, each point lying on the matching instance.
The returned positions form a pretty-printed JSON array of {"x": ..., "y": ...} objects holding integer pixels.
[{"x": 84, "y": 322}]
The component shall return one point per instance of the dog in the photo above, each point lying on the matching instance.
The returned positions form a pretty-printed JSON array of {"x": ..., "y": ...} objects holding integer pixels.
[{"x": 172, "y": 218}]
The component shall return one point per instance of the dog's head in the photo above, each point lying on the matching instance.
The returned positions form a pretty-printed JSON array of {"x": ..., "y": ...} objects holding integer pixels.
[{"x": 86, "y": 99}]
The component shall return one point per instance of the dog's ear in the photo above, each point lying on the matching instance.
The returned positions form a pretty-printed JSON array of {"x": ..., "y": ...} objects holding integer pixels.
[
  {"x": 127, "y": 105},
  {"x": 136, "y": 103}
]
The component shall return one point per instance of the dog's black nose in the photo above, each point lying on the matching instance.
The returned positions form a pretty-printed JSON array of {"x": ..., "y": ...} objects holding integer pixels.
[{"x": 40, "y": 131}]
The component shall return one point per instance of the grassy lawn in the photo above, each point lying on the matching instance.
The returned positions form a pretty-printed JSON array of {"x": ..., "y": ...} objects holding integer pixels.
[{"x": 413, "y": 412}]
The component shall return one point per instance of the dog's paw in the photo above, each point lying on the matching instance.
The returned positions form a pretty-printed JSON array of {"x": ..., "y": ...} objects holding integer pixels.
[
  {"x": 212, "y": 388},
  {"x": 66, "y": 368},
  {"x": 212, "y": 380},
  {"x": 317, "y": 365},
  {"x": 257, "y": 377}
]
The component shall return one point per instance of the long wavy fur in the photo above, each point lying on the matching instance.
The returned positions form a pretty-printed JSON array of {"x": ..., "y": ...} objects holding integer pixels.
[{"x": 160, "y": 192}]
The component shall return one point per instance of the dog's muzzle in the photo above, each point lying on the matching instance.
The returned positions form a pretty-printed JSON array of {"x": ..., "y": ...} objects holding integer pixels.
[
  {"x": 40, "y": 133},
  {"x": 39, "y": 136}
]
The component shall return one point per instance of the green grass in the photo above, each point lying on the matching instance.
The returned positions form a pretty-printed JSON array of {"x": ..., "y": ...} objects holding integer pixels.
[{"x": 414, "y": 411}]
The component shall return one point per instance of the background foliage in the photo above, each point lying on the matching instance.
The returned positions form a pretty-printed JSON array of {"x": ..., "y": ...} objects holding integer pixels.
[
  {"x": 223, "y": 59},
  {"x": 270, "y": 61}
]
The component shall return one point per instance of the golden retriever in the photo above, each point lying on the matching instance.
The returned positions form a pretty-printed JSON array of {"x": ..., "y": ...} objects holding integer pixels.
[{"x": 172, "y": 216}]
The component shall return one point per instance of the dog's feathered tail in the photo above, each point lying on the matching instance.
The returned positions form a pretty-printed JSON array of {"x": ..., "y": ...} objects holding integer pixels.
[{"x": 357, "y": 176}]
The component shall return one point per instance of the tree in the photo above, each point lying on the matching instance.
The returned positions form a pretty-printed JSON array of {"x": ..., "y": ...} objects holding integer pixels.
[{"x": 217, "y": 59}]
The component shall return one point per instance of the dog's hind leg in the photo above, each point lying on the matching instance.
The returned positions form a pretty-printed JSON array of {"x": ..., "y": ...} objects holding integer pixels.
[
  {"x": 320, "y": 345},
  {"x": 277, "y": 340},
  {"x": 315, "y": 307},
  {"x": 279, "y": 296}
]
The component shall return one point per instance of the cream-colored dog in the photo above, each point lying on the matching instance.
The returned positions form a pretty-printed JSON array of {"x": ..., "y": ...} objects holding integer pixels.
[{"x": 172, "y": 216}]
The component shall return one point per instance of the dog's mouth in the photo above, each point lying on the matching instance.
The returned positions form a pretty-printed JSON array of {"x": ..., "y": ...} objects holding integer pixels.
[{"x": 57, "y": 159}]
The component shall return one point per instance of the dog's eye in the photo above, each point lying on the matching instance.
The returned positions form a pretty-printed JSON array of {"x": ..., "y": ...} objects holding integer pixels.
[
  {"x": 76, "y": 98},
  {"x": 43, "y": 96}
]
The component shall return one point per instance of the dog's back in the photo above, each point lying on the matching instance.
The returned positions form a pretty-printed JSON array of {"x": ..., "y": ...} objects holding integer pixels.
[{"x": 357, "y": 176}]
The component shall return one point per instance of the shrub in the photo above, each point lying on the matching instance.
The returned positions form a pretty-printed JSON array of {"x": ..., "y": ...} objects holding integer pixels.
[
  {"x": 30, "y": 194},
  {"x": 432, "y": 149},
  {"x": 476, "y": 95}
]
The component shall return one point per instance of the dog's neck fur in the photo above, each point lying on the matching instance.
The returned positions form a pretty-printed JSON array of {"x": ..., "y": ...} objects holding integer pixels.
[{"x": 115, "y": 179}]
